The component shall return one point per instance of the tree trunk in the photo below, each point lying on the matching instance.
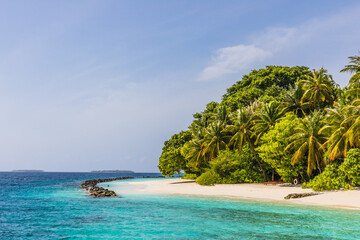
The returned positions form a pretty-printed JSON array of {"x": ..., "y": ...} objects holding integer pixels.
[
  {"x": 273, "y": 175},
  {"x": 302, "y": 176},
  {"x": 318, "y": 165},
  {"x": 258, "y": 161}
]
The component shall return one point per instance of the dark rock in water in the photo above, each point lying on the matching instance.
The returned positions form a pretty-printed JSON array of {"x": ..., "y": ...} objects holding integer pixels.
[
  {"x": 300, "y": 195},
  {"x": 95, "y": 191}
]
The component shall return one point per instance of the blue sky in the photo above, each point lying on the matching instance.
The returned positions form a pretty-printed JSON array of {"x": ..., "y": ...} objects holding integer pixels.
[{"x": 90, "y": 85}]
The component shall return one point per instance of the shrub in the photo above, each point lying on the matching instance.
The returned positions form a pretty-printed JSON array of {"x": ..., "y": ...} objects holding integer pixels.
[
  {"x": 330, "y": 179},
  {"x": 234, "y": 168},
  {"x": 208, "y": 178},
  {"x": 335, "y": 176},
  {"x": 272, "y": 150},
  {"x": 351, "y": 167},
  {"x": 189, "y": 176}
]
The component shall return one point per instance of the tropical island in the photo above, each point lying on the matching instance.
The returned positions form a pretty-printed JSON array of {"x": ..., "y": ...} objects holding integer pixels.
[
  {"x": 28, "y": 170},
  {"x": 277, "y": 124}
]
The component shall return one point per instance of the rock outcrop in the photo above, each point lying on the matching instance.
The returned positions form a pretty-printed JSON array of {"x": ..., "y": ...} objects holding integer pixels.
[
  {"x": 95, "y": 191},
  {"x": 300, "y": 195}
]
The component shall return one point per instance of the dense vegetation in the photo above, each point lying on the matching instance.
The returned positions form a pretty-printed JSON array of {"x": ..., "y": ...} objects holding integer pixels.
[{"x": 277, "y": 123}]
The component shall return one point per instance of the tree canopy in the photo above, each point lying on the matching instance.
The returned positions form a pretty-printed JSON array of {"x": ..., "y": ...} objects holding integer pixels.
[{"x": 279, "y": 123}]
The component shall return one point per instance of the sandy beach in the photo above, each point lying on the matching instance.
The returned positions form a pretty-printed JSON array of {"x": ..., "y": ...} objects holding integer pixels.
[{"x": 261, "y": 192}]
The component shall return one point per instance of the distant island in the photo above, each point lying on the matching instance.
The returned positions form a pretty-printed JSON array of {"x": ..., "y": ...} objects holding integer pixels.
[
  {"x": 27, "y": 170},
  {"x": 112, "y": 171}
]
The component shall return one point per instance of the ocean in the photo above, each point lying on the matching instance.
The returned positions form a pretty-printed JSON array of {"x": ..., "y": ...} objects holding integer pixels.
[{"x": 52, "y": 206}]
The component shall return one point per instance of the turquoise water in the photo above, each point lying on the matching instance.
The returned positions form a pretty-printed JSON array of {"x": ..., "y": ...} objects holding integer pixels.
[{"x": 51, "y": 206}]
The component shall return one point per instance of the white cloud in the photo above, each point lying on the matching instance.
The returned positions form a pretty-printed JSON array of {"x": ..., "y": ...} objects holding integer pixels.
[
  {"x": 232, "y": 60},
  {"x": 242, "y": 57},
  {"x": 275, "y": 39},
  {"x": 319, "y": 42}
]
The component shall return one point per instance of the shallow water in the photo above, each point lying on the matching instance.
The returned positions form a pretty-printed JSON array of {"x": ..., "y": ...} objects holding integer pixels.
[{"x": 51, "y": 206}]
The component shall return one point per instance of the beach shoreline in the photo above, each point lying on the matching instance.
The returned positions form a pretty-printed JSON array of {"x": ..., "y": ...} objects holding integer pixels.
[{"x": 246, "y": 191}]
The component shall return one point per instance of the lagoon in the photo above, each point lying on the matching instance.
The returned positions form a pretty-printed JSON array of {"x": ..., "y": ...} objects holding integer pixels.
[{"x": 52, "y": 206}]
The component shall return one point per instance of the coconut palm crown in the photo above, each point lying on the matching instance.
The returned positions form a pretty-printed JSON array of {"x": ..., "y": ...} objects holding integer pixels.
[{"x": 308, "y": 140}]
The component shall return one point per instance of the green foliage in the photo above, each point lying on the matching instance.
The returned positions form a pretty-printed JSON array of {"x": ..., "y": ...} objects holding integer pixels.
[
  {"x": 189, "y": 176},
  {"x": 246, "y": 134},
  {"x": 208, "y": 178},
  {"x": 266, "y": 117},
  {"x": 262, "y": 82},
  {"x": 319, "y": 89},
  {"x": 339, "y": 121},
  {"x": 351, "y": 167},
  {"x": 354, "y": 68},
  {"x": 330, "y": 179},
  {"x": 196, "y": 162},
  {"x": 291, "y": 100},
  {"x": 171, "y": 161},
  {"x": 234, "y": 168},
  {"x": 345, "y": 175},
  {"x": 272, "y": 149},
  {"x": 307, "y": 141},
  {"x": 241, "y": 132}
]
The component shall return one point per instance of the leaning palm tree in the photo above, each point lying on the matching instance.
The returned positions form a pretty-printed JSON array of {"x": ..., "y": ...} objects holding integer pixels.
[
  {"x": 318, "y": 88},
  {"x": 241, "y": 133},
  {"x": 266, "y": 117},
  {"x": 308, "y": 140}
]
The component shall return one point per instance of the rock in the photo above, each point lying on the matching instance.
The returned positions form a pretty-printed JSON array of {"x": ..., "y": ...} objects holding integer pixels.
[
  {"x": 300, "y": 195},
  {"x": 95, "y": 191}
]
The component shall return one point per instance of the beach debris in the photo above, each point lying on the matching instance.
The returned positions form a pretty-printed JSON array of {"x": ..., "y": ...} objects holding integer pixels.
[{"x": 301, "y": 195}]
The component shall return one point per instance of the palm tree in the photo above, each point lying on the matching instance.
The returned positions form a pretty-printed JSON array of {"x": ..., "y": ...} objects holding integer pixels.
[
  {"x": 353, "y": 67},
  {"x": 222, "y": 115},
  {"x": 318, "y": 87},
  {"x": 199, "y": 125},
  {"x": 241, "y": 132},
  {"x": 339, "y": 121},
  {"x": 308, "y": 139},
  {"x": 354, "y": 83},
  {"x": 354, "y": 131},
  {"x": 266, "y": 117},
  {"x": 192, "y": 151},
  {"x": 214, "y": 140},
  {"x": 292, "y": 101}
]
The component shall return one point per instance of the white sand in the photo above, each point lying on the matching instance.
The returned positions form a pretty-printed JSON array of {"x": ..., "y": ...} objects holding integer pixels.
[{"x": 340, "y": 199}]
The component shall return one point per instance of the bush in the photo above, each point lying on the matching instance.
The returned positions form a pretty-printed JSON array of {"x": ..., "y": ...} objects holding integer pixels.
[
  {"x": 330, "y": 179},
  {"x": 351, "y": 167},
  {"x": 335, "y": 176},
  {"x": 208, "y": 178},
  {"x": 189, "y": 176},
  {"x": 234, "y": 168},
  {"x": 171, "y": 162},
  {"x": 272, "y": 150}
]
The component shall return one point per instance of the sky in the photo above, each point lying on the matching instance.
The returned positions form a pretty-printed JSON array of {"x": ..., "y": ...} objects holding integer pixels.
[{"x": 91, "y": 85}]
